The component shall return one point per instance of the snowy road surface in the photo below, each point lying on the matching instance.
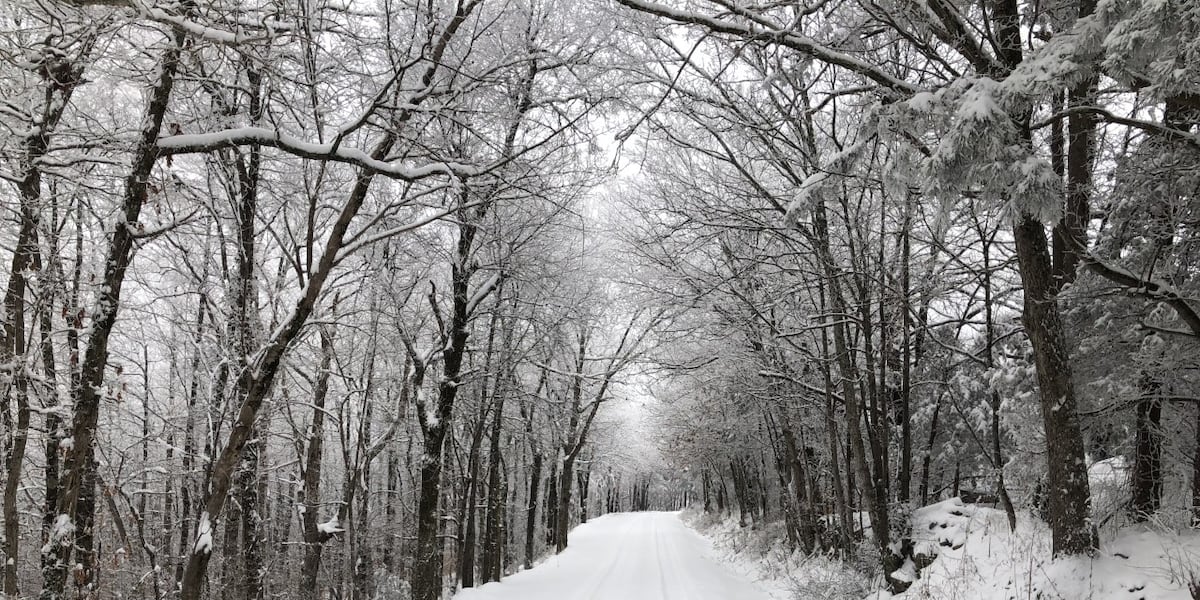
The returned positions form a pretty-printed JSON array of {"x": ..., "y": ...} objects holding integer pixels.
[{"x": 630, "y": 556}]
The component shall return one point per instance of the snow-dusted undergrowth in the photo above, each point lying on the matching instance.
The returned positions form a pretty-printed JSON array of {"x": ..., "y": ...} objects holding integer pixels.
[
  {"x": 761, "y": 555},
  {"x": 967, "y": 552}
]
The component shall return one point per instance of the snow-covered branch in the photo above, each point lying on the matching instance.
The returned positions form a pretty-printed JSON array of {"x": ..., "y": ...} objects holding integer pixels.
[
  {"x": 243, "y": 136},
  {"x": 760, "y": 29}
]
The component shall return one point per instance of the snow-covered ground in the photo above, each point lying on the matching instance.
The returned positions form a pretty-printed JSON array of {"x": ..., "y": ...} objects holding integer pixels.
[
  {"x": 967, "y": 552},
  {"x": 976, "y": 556},
  {"x": 628, "y": 556}
]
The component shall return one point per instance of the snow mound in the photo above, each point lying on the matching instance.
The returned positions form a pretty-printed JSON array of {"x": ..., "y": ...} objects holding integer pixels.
[
  {"x": 967, "y": 551},
  {"x": 946, "y": 525}
]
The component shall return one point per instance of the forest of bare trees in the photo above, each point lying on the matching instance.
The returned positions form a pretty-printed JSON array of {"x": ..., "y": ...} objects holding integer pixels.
[{"x": 328, "y": 299}]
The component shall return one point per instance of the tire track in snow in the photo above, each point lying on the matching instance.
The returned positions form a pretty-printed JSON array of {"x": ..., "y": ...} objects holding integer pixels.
[
  {"x": 658, "y": 560},
  {"x": 633, "y": 556},
  {"x": 595, "y": 588}
]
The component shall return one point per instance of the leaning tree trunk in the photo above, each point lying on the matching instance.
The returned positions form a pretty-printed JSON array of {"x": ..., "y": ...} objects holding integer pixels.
[
  {"x": 76, "y": 503},
  {"x": 12, "y": 350},
  {"x": 61, "y": 76}
]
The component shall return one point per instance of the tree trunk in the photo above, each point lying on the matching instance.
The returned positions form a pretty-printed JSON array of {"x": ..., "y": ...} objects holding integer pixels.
[
  {"x": 13, "y": 464},
  {"x": 552, "y": 505},
  {"x": 854, "y": 418},
  {"x": 76, "y": 506},
  {"x": 566, "y": 475},
  {"x": 990, "y": 326},
  {"x": 434, "y": 420},
  {"x": 841, "y": 505},
  {"x": 246, "y": 313},
  {"x": 925, "y": 460},
  {"x": 249, "y": 586},
  {"x": 798, "y": 491},
  {"x": 53, "y": 424},
  {"x": 187, "y": 483},
  {"x": 998, "y": 460},
  {"x": 427, "y": 563},
  {"x": 310, "y": 500},
  {"x": 740, "y": 493},
  {"x": 1068, "y": 494},
  {"x": 12, "y": 353},
  {"x": 1196, "y": 474},
  {"x": 466, "y": 566},
  {"x": 1147, "y": 461},
  {"x": 492, "y": 541},
  {"x": 61, "y": 77},
  {"x": 583, "y": 478},
  {"x": 494, "y": 513},
  {"x": 905, "y": 417},
  {"x": 535, "y": 476}
]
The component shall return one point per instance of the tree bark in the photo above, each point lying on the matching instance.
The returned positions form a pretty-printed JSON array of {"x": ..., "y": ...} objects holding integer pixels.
[
  {"x": 434, "y": 419},
  {"x": 583, "y": 478},
  {"x": 492, "y": 544},
  {"x": 927, "y": 458},
  {"x": 466, "y": 565},
  {"x": 61, "y": 76},
  {"x": 552, "y": 504},
  {"x": 1196, "y": 474},
  {"x": 566, "y": 477},
  {"x": 535, "y": 476},
  {"x": 310, "y": 500},
  {"x": 1147, "y": 461},
  {"x": 187, "y": 483},
  {"x": 1068, "y": 494},
  {"x": 245, "y": 311},
  {"x": 989, "y": 362},
  {"x": 841, "y": 504},
  {"x": 904, "y": 482},
  {"x": 12, "y": 351}
]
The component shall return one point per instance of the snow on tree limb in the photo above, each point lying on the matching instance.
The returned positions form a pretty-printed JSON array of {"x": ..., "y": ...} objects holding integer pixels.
[
  {"x": 242, "y": 136},
  {"x": 763, "y": 30}
]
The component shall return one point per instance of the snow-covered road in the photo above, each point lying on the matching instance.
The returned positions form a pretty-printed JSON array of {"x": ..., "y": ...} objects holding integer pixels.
[{"x": 629, "y": 556}]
